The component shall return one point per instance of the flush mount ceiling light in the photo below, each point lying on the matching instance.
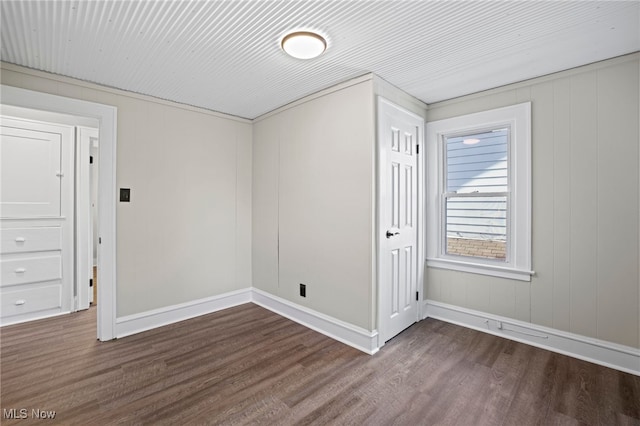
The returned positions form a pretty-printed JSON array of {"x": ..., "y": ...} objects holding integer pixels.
[
  {"x": 471, "y": 141},
  {"x": 303, "y": 44}
]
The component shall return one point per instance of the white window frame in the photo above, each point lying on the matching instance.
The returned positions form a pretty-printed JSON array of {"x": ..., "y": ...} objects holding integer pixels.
[{"x": 518, "y": 263}]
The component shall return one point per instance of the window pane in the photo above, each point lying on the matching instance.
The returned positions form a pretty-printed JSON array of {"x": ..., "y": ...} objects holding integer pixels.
[
  {"x": 477, "y": 226},
  {"x": 477, "y": 162}
]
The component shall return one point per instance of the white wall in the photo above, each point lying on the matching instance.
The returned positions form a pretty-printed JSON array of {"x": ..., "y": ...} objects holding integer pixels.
[
  {"x": 313, "y": 201},
  {"x": 585, "y": 144},
  {"x": 186, "y": 234},
  {"x": 384, "y": 89}
]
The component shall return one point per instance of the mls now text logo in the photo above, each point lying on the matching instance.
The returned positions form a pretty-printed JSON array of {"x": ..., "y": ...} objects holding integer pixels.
[{"x": 23, "y": 413}]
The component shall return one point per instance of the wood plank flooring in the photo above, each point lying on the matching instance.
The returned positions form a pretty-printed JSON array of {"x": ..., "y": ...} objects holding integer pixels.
[{"x": 247, "y": 365}]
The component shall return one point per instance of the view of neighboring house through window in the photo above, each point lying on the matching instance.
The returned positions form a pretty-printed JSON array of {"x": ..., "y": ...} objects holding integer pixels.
[{"x": 476, "y": 194}]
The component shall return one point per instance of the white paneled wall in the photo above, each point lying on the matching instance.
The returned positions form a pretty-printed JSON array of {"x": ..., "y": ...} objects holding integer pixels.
[
  {"x": 313, "y": 203},
  {"x": 326, "y": 202},
  {"x": 186, "y": 234},
  {"x": 265, "y": 203},
  {"x": 585, "y": 128}
]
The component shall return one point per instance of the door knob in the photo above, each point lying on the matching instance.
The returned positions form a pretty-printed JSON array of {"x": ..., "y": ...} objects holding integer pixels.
[{"x": 391, "y": 234}]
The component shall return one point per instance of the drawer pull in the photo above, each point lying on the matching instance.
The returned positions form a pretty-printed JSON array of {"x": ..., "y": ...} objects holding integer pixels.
[
  {"x": 20, "y": 302},
  {"x": 20, "y": 240},
  {"x": 21, "y": 270}
]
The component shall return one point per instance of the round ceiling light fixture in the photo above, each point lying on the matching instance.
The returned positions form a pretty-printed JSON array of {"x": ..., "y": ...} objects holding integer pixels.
[{"x": 303, "y": 44}]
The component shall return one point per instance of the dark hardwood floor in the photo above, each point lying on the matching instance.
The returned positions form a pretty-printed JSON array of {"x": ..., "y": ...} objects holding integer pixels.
[{"x": 246, "y": 365}]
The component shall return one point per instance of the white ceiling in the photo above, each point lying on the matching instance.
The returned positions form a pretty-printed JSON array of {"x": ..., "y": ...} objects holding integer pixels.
[{"x": 225, "y": 55}]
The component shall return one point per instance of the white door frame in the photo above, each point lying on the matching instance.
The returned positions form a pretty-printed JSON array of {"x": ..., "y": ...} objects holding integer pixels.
[
  {"x": 107, "y": 117},
  {"x": 84, "y": 229},
  {"x": 420, "y": 261}
]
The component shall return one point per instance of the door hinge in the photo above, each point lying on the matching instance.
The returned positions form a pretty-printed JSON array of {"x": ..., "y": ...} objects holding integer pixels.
[
  {"x": 91, "y": 159},
  {"x": 99, "y": 240},
  {"x": 417, "y": 295},
  {"x": 417, "y": 149},
  {"x": 90, "y": 282}
]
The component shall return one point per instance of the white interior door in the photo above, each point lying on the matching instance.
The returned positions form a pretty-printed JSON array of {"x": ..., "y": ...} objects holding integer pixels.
[{"x": 399, "y": 133}]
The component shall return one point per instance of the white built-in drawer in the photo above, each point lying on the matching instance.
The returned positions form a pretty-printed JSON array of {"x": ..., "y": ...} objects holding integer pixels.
[
  {"x": 20, "y": 240},
  {"x": 31, "y": 269},
  {"x": 25, "y": 301}
]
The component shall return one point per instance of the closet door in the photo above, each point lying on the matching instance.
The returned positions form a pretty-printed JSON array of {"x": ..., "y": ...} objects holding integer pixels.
[
  {"x": 399, "y": 135},
  {"x": 30, "y": 161}
]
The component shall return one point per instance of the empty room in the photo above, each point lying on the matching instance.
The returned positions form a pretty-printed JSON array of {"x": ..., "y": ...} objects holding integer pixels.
[{"x": 320, "y": 212}]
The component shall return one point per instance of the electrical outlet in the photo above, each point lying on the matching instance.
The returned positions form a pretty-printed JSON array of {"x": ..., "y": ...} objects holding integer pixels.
[{"x": 303, "y": 290}]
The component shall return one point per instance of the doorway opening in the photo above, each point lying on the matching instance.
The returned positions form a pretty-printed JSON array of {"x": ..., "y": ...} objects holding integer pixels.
[
  {"x": 87, "y": 214},
  {"x": 105, "y": 117},
  {"x": 48, "y": 208}
]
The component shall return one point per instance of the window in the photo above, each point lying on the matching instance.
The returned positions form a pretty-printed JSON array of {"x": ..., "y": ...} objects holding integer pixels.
[
  {"x": 479, "y": 193},
  {"x": 476, "y": 194}
]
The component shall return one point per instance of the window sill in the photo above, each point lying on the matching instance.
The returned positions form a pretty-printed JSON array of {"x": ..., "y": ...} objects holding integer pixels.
[{"x": 482, "y": 269}]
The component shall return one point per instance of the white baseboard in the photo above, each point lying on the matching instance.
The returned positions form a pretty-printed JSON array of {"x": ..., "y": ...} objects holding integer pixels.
[
  {"x": 351, "y": 335},
  {"x": 608, "y": 354},
  {"x": 148, "y": 320},
  {"x": 359, "y": 338},
  {"x": 33, "y": 316}
]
